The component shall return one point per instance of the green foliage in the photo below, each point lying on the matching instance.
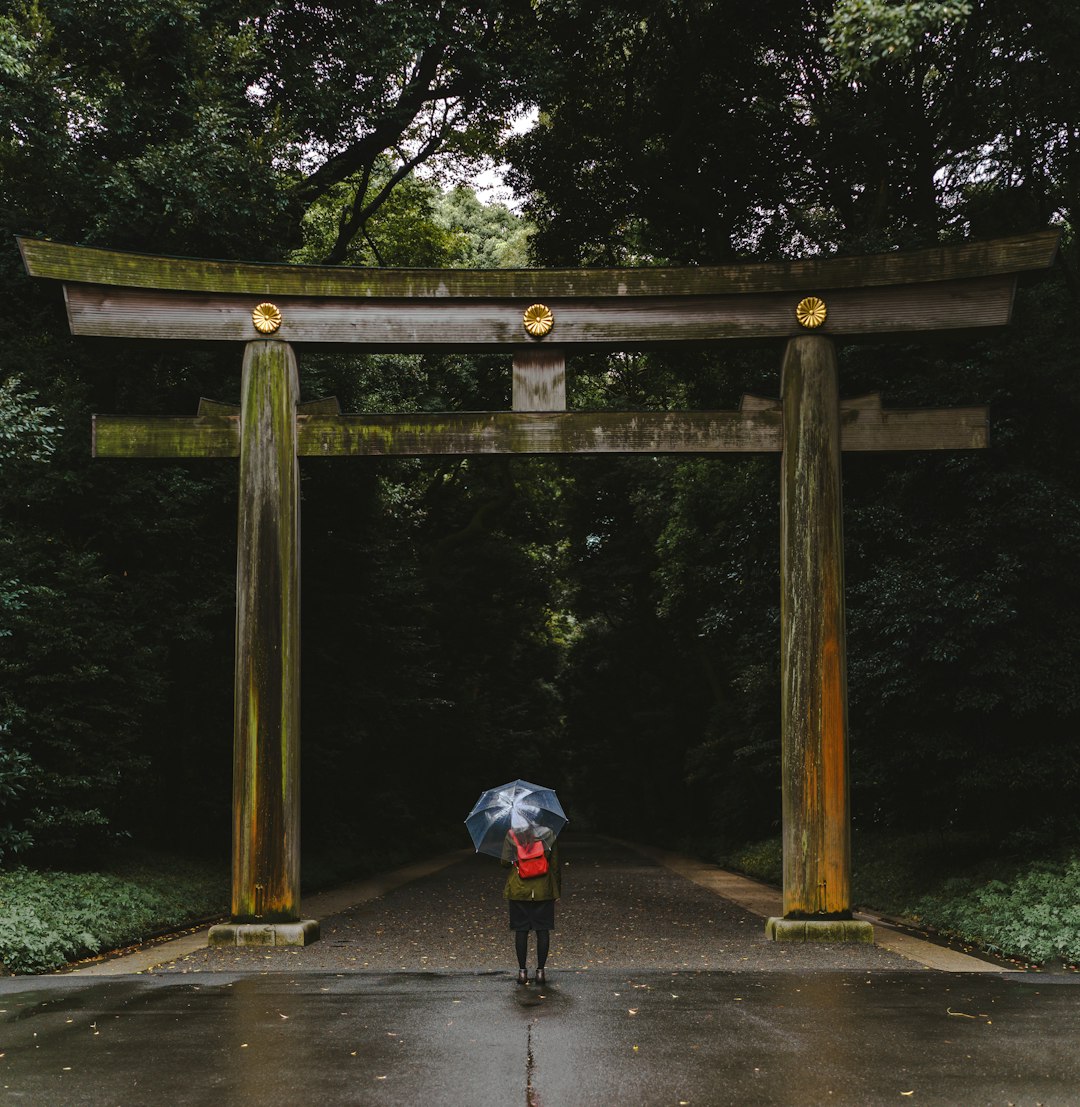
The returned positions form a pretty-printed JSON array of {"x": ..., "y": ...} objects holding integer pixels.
[
  {"x": 418, "y": 225},
  {"x": 52, "y": 917},
  {"x": 864, "y": 33},
  {"x": 1020, "y": 904},
  {"x": 402, "y": 232},
  {"x": 1034, "y": 916},
  {"x": 667, "y": 133},
  {"x": 958, "y": 885},
  {"x": 486, "y": 236},
  {"x": 762, "y": 860},
  {"x": 27, "y": 430}
]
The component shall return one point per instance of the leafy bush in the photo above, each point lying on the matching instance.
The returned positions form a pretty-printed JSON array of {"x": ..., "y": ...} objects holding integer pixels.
[
  {"x": 1034, "y": 916},
  {"x": 761, "y": 860},
  {"x": 957, "y": 886},
  {"x": 50, "y": 918}
]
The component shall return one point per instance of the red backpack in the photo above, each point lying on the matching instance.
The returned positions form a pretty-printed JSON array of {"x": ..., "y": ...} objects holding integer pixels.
[{"x": 531, "y": 859}]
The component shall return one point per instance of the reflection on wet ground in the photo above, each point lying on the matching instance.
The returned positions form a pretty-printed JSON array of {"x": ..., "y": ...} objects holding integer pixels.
[
  {"x": 595, "y": 1037},
  {"x": 659, "y": 992}
]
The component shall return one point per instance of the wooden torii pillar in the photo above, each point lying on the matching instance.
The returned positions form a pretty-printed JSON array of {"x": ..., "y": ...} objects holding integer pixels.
[{"x": 538, "y": 315}]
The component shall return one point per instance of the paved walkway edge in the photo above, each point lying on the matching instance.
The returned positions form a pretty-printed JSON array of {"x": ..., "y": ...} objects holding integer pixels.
[
  {"x": 766, "y": 901},
  {"x": 752, "y": 895},
  {"x": 320, "y": 905}
]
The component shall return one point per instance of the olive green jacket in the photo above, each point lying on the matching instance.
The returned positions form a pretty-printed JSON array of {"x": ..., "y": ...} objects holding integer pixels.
[{"x": 548, "y": 886}]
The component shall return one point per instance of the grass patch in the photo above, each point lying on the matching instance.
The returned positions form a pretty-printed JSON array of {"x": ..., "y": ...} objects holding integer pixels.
[
  {"x": 48, "y": 918},
  {"x": 1022, "y": 908}
]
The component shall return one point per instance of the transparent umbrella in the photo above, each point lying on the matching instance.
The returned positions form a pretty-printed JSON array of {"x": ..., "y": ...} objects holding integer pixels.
[{"x": 518, "y": 805}]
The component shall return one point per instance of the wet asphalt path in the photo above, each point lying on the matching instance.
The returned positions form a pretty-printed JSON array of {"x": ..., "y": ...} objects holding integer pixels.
[
  {"x": 660, "y": 993},
  {"x": 620, "y": 910}
]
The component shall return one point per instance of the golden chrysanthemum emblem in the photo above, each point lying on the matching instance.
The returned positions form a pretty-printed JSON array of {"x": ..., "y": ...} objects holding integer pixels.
[
  {"x": 267, "y": 318},
  {"x": 811, "y": 312},
  {"x": 538, "y": 320}
]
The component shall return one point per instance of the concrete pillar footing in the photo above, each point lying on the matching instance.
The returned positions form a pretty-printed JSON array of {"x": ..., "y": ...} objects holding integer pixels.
[
  {"x": 819, "y": 930},
  {"x": 300, "y": 933}
]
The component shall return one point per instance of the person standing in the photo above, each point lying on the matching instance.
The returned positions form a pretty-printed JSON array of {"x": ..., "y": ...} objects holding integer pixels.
[{"x": 531, "y": 898}]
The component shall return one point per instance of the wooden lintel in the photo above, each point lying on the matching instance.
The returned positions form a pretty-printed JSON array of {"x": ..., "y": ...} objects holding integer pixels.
[
  {"x": 754, "y": 429},
  {"x": 90, "y": 265},
  {"x": 866, "y": 426},
  {"x": 135, "y": 436},
  {"x": 597, "y": 323},
  {"x": 548, "y": 432}
]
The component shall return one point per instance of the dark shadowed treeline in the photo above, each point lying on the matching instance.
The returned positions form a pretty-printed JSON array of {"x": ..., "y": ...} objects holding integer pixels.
[{"x": 607, "y": 625}]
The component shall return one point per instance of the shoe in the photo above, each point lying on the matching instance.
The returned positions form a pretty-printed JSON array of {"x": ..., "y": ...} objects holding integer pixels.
[
  {"x": 523, "y": 976},
  {"x": 540, "y": 978}
]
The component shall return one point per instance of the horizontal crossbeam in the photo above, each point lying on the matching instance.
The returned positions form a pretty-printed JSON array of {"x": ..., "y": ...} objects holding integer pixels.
[
  {"x": 756, "y": 428},
  {"x": 617, "y": 322}
]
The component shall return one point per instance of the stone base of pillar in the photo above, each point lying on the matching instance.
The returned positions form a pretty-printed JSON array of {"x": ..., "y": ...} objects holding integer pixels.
[
  {"x": 819, "y": 930},
  {"x": 301, "y": 933}
]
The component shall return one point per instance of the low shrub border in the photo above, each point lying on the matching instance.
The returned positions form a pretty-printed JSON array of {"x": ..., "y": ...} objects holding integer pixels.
[
  {"x": 48, "y": 918},
  {"x": 1026, "y": 911}
]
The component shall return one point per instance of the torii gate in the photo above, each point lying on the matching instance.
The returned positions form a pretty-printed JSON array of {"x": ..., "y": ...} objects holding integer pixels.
[{"x": 538, "y": 315}]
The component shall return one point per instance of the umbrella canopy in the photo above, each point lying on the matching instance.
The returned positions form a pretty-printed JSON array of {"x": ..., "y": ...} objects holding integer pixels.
[{"x": 518, "y": 805}]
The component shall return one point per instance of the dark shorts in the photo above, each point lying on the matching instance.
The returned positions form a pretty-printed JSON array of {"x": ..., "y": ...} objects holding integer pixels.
[{"x": 532, "y": 914}]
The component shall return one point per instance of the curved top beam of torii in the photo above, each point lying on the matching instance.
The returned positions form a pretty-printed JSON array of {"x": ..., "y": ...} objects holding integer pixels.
[{"x": 121, "y": 294}]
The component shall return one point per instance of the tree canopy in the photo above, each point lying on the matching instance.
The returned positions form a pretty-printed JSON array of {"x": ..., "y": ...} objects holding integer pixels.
[{"x": 608, "y": 625}]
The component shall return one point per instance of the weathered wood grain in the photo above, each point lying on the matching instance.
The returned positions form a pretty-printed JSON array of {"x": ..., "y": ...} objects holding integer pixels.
[
  {"x": 866, "y": 426},
  {"x": 813, "y": 666},
  {"x": 137, "y": 436},
  {"x": 89, "y": 265},
  {"x": 755, "y": 428},
  {"x": 615, "y": 323},
  {"x": 523, "y": 433},
  {"x": 266, "y": 749},
  {"x": 539, "y": 379}
]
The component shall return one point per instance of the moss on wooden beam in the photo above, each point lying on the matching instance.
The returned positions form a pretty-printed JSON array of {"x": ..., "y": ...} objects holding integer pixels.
[
  {"x": 756, "y": 428},
  {"x": 137, "y": 436},
  {"x": 90, "y": 265}
]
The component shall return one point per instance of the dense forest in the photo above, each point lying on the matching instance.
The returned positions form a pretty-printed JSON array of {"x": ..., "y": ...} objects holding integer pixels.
[{"x": 608, "y": 626}]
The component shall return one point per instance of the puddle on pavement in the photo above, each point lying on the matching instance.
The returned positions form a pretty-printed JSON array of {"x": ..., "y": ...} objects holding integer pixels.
[{"x": 537, "y": 1000}]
